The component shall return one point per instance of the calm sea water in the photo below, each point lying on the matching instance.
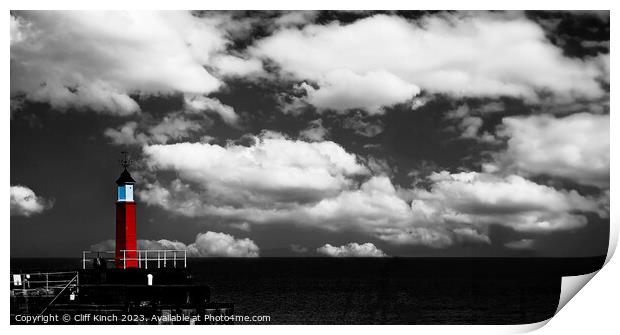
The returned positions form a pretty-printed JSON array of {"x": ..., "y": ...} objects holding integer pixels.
[{"x": 379, "y": 291}]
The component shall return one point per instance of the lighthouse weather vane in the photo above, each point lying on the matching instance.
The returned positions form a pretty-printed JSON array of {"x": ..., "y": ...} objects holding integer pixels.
[{"x": 126, "y": 161}]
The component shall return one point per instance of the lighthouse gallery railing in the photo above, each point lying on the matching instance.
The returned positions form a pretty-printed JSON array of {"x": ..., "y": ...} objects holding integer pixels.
[{"x": 157, "y": 258}]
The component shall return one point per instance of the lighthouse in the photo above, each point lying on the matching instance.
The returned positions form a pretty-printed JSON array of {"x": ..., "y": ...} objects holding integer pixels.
[
  {"x": 125, "y": 253},
  {"x": 149, "y": 283}
]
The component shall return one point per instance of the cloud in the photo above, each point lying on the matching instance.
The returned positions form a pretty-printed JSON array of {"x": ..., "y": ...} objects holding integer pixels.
[
  {"x": 126, "y": 134},
  {"x": 315, "y": 131},
  {"x": 241, "y": 226},
  {"x": 470, "y": 121},
  {"x": 200, "y": 103},
  {"x": 420, "y": 101},
  {"x": 382, "y": 60},
  {"x": 363, "y": 127},
  {"x": 272, "y": 170},
  {"x": 351, "y": 250},
  {"x": 458, "y": 208},
  {"x": 470, "y": 126},
  {"x": 342, "y": 90},
  {"x": 471, "y": 235},
  {"x": 24, "y": 202},
  {"x": 380, "y": 166},
  {"x": 295, "y": 18},
  {"x": 525, "y": 243},
  {"x": 233, "y": 66},
  {"x": 220, "y": 244},
  {"x": 18, "y": 26},
  {"x": 464, "y": 110},
  {"x": 106, "y": 245},
  {"x": 576, "y": 147},
  {"x": 275, "y": 180},
  {"x": 173, "y": 127},
  {"x": 209, "y": 244},
  {"x": 374, "y": 208},
  {"x": 434, "y": 237},
  {"x": 298, "y": 249},
  {"x": 479, "y": 199},
  {"x": 96, "y": 60},
  {"x": 162, "y": 244}
]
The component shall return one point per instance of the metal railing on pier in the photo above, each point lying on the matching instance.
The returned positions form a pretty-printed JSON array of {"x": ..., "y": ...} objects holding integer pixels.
[
  {"x": 142, "y": 258},
  {"x": 162, "y": 258},
  {"x": 42, "y": 283},
  {"x": 91, "y": 257}
]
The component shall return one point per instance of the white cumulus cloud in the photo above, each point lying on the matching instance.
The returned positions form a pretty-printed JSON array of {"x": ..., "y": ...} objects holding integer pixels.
[
  {"x": 232, "y": 66},
  {"x": 315, "y": 132},
  {"x": 96, "y": 59},
  {"x": 351, "y": 250},
  {"x": 480, "y": 199},
  {"x": 24, "y": 202},
  {"x": 220, "y": 244},
  {"x": 208, "y": 244},
  {"x": 273, "y": 170},
  {"x": 281, "y": 181},
  {"x": 199, "y": 103},
  {"x": 576, "y": 147},
  {"x": 173, "y": 127},
  {"x": 342, "y": 90},
  {"x": 276, "y": 180},
  {"x": 382, "y": 60}
]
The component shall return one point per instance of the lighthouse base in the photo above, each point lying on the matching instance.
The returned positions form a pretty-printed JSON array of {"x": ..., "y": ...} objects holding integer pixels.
[{"x": 126, "y": 256}]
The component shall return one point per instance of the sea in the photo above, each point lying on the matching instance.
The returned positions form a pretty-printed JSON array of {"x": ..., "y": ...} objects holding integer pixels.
[{"x": 378, "y": 290}]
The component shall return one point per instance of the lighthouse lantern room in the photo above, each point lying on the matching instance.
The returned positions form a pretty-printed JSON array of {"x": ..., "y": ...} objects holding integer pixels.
[
  {"x": 125, "y": 192},
  {"x": 126, "y": 244}
]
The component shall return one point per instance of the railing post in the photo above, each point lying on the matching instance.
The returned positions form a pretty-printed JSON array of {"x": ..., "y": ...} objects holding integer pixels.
[
  {"x": 146, "y": 259},
  {"x": 158, "y": 257},
  {"x": 124, "y": 259},
  {"x": 185, "y": 258},
  {"x": 175, "y": 259},
  {"x": 165, "y": 253},
  {"x": 47, "y": 283},
  {"x": 83, "y": 260},
  {"x": 139, "y": 259}
]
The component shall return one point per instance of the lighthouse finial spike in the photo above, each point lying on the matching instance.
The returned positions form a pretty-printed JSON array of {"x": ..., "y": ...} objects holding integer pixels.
[{"x": 126, "y": 161}]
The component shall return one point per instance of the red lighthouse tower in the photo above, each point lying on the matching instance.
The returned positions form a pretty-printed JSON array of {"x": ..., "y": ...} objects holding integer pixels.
[{"x": 126, "y": 255}]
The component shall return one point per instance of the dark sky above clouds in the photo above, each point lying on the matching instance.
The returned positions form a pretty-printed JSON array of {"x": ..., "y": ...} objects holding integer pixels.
[{"x": 313, "y": 133}]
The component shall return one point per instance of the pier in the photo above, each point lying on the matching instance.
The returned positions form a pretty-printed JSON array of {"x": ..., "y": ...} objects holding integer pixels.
[{"x": 150, "y": 294}]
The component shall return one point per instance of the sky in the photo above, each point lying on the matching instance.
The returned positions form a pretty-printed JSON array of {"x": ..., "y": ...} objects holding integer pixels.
[{"x": 323, "y": 133}]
